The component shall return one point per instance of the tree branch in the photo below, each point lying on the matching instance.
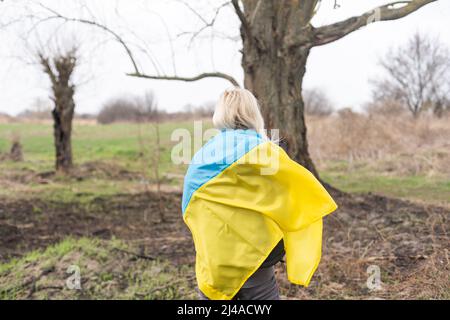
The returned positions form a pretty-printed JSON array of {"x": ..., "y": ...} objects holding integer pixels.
[
  {"x": 57, "y": 15},
  {"x": 137, "y": 73},
  {"x": 207, "y": 24},
  {"x": 335, "y": 31},
  {"x": 46, "y": 64},
  {"x": 242, "y": 18},
  {"x": 188, "y": 79}
]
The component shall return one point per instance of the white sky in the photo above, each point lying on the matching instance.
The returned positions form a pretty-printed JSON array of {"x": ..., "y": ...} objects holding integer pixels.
[{"x": 341, "y": 68}]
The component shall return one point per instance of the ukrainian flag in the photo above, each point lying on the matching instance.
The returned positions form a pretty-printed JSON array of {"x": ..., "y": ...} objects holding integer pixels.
[{"x": 242, "y": 195}]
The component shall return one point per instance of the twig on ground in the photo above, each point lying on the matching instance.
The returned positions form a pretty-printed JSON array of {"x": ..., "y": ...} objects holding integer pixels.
[
  {"x": 169, "y": 284},
  {"x": 138, "y": 255},
  {"x": 33, "y": 281}
]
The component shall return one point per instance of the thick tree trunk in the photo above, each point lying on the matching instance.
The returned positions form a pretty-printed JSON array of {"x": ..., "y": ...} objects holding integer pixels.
[
  {"x": 277, "y": 83},
  {"x": 274, "y": 67}
]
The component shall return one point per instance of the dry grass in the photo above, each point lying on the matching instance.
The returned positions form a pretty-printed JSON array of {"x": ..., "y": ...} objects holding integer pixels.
[
  {"x": 408, "y": 243},
  {"x": 398, "y": 144}
]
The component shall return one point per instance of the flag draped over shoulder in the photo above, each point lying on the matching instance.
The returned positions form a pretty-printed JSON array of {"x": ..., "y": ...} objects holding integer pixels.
[{"x": 242, "y": 195}]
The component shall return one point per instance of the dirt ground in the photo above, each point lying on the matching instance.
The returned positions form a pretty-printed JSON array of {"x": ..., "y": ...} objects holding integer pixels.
[
  {"x": 33, "y": 224},
  {"x": 409, "y": 242}
]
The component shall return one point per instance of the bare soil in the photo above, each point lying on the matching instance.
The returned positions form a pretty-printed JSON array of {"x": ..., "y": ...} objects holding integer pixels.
[
  {"x": 409, "y": 242},
  {"x": 32, "y": 224}
]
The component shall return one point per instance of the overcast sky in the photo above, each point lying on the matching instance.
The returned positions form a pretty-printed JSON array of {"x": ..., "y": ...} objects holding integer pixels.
[{"x": 341, "y": 68}]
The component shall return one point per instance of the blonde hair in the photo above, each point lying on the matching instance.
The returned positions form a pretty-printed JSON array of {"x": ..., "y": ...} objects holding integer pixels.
[{"x": 238, "y": 109}]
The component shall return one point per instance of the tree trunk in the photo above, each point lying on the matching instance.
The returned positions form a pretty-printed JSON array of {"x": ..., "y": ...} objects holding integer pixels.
[
  {"x": 62, "y": 131},
  {"x": 60, "y": 69},
  {"x": 274, "y": 71},
  {"x": 277, "y": 83},
  {"x": 438, "y": 108}
]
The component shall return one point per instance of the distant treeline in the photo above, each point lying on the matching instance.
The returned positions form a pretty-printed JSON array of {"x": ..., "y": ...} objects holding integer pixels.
[
  {"x": 135, "y": 108},
  {"x": 125, "y": 109}
]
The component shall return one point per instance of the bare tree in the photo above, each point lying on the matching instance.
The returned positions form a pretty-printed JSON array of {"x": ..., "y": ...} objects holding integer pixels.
[
  {"x": 148, "y": 107},
  {"x": 129, "y": 109},
  {"x": 151, "y": 149},
  {"x": 201, "y": 111},
  {"x": 156, "y": 161},
  {"x": 441, "y": 106},
  {"x": 317, "y": 102},
  {"x": 277, "y": 37},
  {"x": 118, "y": 109},
  {"x": 386, "y": 107},
  {"x": 59, "y": 69},
  {"x": 417, "y": 75},
  {"x": 40, "y": 109}
]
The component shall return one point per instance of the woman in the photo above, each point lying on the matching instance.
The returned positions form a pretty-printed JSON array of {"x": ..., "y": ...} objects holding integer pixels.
[{"x": 247, "y": 204}]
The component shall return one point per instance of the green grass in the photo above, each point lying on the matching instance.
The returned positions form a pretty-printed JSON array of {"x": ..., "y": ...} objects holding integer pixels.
[
  {"x": 433, "y": 189},
  {"x": 121, "y": 143},
  {"x": 106, "y": 273},
  {"x": 53, "y": 252}
]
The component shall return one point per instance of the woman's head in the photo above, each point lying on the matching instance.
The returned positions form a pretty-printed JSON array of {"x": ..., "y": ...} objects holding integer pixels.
[{"x": 238, "y": 109}]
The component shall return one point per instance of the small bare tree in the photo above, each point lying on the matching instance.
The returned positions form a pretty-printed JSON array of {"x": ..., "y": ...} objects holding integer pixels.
[
  {"x": 156, "y": 160},
  {"x": 151, "y": 150},
  {"x": 417, "y": 75},
  {"x": 317, "y": 102},
  {"x": 147, "y": 106},
  {"x": 60, "y": 69}
]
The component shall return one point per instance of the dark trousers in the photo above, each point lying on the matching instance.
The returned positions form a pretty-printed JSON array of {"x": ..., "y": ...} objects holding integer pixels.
[{"x": 260, "y": 286}]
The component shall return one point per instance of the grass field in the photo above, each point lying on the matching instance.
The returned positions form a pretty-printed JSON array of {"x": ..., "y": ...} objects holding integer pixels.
[
  {"x": 129, "y": 146},
  {"x": 109, "y": 150},
  {"x": 120, "y": 143}
]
